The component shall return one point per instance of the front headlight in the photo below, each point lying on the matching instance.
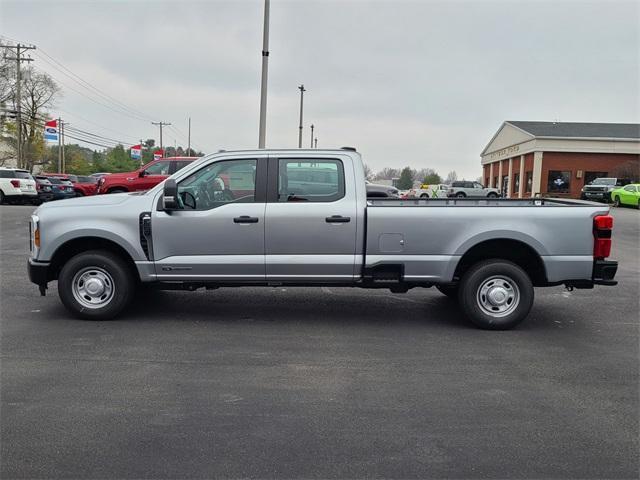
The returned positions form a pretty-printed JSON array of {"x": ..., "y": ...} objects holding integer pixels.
[{"x": 34, "y": 230}]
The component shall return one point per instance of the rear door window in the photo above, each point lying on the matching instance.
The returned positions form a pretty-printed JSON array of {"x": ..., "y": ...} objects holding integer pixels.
[{"x": 316, "y": 180}]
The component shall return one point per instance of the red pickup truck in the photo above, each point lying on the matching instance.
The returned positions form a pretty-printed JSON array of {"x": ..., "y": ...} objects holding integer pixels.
[
  {"x": 146, "y": 177},
  {"x": 83, "y": 186}
]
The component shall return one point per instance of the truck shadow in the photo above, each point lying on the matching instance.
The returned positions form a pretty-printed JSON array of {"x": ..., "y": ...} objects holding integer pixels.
[{"x": 299, "y": 305}]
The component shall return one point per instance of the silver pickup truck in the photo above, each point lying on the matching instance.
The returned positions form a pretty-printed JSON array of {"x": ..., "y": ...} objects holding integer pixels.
[{"x": 302, "y": 218}]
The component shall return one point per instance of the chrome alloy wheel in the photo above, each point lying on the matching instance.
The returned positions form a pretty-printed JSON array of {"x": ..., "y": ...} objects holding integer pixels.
[
  {"x": 498, "y": 296},
  {"x": 93, "y": 287}
]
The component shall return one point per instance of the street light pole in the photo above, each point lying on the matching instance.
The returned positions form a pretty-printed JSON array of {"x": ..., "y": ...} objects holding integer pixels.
[
  {"x": 302, "y": 90},
  {"x": 311, "y": 144},
  {"x": 265, "y": 73}
]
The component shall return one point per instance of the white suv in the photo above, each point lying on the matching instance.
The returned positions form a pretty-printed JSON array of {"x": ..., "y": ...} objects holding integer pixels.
[{"x": 17, "y": 185}]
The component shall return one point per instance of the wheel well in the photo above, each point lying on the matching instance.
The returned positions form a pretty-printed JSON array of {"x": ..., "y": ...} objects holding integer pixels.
[
  {"x": 118, "y": 189},
  {"x": 506, "y": 249},
  {"x": 78, "y": 245}
]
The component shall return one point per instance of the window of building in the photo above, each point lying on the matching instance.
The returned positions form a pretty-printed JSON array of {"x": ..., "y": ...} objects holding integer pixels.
[
  {"x": 529, "y": 181},
  {"x": 319, "y": 180},
  {"x": 591, "y": 176},
  {"x": 558, "y": 181},
  {"x": 516, "y": 183}
]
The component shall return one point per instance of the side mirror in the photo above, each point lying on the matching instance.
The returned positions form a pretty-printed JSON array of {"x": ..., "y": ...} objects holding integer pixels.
[
  {"x": 170, "y": 197},
  {"x": 141, "y": 173}
]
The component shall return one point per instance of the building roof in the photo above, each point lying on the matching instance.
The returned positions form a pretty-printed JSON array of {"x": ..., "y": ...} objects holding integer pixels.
[{"x": 579, "y": 130}]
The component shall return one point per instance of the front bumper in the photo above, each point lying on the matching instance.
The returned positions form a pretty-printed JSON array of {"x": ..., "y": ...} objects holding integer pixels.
[
  {"x": 601, "y": 195},
  {"x": 39, "y": 274}
]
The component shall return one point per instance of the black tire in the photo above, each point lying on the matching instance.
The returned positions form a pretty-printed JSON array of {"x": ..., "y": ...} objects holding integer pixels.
[
  {"x": 616, "y": 201},
  {"x": 79, "y": 193},
  {"x": 111, "y": 269},
  {"x": 1, "y": 197},
  {"x": 492, "y": 195},
  {"x": 507, "y": 280},
  {"x": 450, "y": 291},
  {"x": 117, "y": 190},
  {"x": 424, "y": 195},
  {"x": 460, "y": 195}
]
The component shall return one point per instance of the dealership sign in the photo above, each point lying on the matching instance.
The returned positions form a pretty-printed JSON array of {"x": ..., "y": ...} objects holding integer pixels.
[{"x": 51, "y": 131}]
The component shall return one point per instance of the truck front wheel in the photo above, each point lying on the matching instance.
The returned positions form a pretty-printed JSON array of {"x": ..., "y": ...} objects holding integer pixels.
[
  {"x": 496, "y": 294},
  {"x": 96, "y": 285}
]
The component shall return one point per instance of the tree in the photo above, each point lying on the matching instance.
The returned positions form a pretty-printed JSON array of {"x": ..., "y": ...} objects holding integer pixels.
[
  {"x": 431, "y": 177},
  {"x": 387, "y": 174},
  {"x": 629, "y": 170},
  {"x": 451, "y": 177},
  {"x": 406, "y": 179},
  {"x": 368, "y": 172},
  {"x": 39, "y": 92}
]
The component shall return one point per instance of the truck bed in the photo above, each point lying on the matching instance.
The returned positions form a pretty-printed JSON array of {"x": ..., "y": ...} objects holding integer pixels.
[{"x": 429, "y": 242}]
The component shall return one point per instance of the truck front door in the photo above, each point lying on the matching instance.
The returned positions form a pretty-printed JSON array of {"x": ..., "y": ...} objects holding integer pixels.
[
  {"x": 311, "y": 220},
  {"x": 218, "y": 235}
]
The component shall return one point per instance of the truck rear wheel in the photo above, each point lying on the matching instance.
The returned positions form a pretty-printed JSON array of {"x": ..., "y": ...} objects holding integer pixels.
[
  {"x": 496, "y": 294},
  {"x": 96, "y": 285}
]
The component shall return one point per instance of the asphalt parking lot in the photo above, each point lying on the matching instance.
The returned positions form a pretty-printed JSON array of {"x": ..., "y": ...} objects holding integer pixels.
[{"x": 318, "y": 383}]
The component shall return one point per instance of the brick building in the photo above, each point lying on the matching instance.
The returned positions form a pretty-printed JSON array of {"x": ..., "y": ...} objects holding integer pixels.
[{"x": 528, "y": 158}]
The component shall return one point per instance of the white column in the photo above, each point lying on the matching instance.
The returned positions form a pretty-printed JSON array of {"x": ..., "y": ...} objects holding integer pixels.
[
  {"x": 510, "y": 178},
  {"x": 522, "y": 180},
  {"x": 537, "y": 173},
  {"x": 499, "y": 186},
  {"x": 490, "y": 175}
]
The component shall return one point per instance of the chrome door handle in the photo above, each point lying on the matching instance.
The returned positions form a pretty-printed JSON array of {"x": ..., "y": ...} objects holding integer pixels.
[
  {"x": 245, "y": 219},
  {"x": 337, "y": 219}
]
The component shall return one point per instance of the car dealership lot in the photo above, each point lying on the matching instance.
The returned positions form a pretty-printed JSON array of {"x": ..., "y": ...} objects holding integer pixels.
[{"x": 326, "y": 382}]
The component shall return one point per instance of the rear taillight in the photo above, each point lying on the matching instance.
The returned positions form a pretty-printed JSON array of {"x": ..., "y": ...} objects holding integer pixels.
[
  {"x": 602, "y": 227},
  {"x": 15, "y": 183}
]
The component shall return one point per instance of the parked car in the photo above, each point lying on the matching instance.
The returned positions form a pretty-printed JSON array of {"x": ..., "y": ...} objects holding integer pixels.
[
  {"x": 464, "y": 189},
  {"x": 235, "y": 218},
  {"x": 627, "y": 195},
  {"x": 439, "y": 190},
  {"x": 82, "y": 185},
  {"x": 44, "y": 187},
  {"x": 381, "y": 191},
  {"x": 145, "y": 178},
  {"x": 600, "y": 189},
  {"x": 61, "y": 189},
  {"x": 17, "y": 186}
]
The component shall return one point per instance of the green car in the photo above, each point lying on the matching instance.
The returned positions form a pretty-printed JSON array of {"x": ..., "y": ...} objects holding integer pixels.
[{"x": 627, "y": 195}]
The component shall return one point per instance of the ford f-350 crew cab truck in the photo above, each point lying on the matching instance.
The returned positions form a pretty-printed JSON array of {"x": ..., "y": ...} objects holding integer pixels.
[{"x": 302, "y": 218}]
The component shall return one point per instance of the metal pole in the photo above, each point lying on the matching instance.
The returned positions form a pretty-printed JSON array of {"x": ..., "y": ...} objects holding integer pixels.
[
  {"x": 64, "y": 160},
  {"x": 265, "y": 73},
  {"x": 59, "y": 145},
  {"x": 302, "y": 90},
  {"x": 189, "y": 139},
  {"x": 311, "y": 144},
  {"x": 19, "y": 105},
  {"x": 316, "y": 142}
]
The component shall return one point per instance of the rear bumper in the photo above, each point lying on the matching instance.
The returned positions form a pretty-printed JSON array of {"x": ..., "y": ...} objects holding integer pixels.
[{"x": 604, "y": 271}]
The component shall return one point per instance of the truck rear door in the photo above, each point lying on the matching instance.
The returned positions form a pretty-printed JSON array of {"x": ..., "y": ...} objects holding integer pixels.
[{"x": 311, "y": 220}]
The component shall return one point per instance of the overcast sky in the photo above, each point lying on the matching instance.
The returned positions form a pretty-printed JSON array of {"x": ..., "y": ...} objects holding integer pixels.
[{"x": 420, "y": 83}]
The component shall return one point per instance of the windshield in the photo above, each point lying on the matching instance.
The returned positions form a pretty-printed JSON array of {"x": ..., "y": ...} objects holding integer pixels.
[{"x": 604, "y": 181}]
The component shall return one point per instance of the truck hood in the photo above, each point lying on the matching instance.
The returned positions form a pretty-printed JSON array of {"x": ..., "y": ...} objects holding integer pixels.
[{"x": 92, "y": 201}]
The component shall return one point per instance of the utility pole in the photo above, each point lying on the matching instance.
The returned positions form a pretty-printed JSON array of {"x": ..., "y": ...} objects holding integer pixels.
[
  {"x": 311, "y": 144},
  {"x": 59, "y": 145},
  {"x": 161, "y": 124},
  {"x": 302, "y": 90},
  {"x": 61, "y": 134},
  {"x": 18, "y": 99},
  {"x": 141, "y": 152},
  {"x": 262, "y": 133},
  {"x": 316, "y": 142},
  {"x": 189, "y": 139}
]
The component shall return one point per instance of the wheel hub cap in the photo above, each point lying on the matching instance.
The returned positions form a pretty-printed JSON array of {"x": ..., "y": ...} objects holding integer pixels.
[
  {"x": 93, "y": 287},
  {"x": 498, "y": 296}
]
